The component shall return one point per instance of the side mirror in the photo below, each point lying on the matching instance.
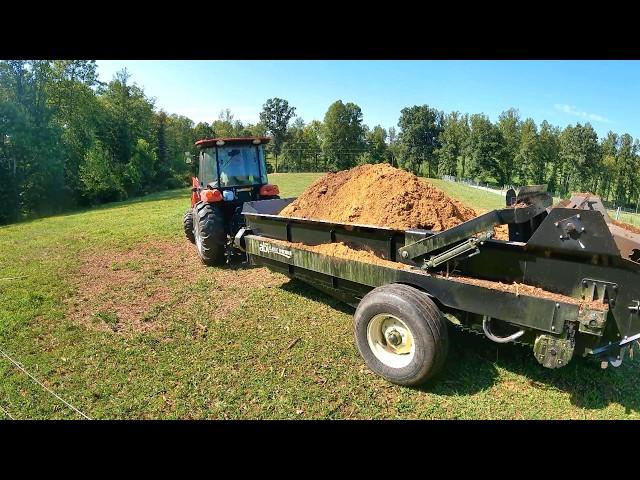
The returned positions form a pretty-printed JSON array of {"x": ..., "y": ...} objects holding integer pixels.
[{"x": 187, "y": 157}]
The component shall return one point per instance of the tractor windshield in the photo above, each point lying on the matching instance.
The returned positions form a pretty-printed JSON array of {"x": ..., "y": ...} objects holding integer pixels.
[{"x": 241, "y": 165}]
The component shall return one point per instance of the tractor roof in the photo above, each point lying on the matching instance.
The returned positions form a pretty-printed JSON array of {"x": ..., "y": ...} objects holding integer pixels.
[{"x": 209, "y": 142}]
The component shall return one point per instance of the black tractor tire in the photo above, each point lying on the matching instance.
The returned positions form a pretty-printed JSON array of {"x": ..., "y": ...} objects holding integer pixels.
[
  {"x": 426, "y": 325},
  {"x": 210, "y": 235},
  {"x": 187, "y": 223}
]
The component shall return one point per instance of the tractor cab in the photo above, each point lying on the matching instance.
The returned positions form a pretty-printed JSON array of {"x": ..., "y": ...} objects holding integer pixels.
[
  {"x": 231, "y": 171},
  {"x": 236, "y": 167}
]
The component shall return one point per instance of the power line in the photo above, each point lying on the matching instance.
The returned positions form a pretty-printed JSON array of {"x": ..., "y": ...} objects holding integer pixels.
[{"x": 17, "y": 364}]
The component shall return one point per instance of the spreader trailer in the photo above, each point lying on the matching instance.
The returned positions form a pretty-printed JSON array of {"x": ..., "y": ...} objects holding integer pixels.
[{"x": 567, "y": 282}]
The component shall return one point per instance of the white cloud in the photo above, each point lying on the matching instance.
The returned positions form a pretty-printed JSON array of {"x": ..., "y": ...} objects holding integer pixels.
[{"x": 572, "y": 110}]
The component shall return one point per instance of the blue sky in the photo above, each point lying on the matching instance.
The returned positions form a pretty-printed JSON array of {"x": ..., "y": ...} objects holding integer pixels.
[{"x": 604, "y": 93}]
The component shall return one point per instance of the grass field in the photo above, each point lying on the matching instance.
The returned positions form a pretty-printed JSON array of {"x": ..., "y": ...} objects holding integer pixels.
[{"x": 111, "y": 309}]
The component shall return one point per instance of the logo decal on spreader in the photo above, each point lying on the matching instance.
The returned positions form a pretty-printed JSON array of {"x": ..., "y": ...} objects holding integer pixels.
[{"x": 268, "y": 248}]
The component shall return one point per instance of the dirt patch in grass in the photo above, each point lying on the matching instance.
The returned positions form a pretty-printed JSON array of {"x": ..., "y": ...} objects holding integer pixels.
[{"x": 143, "y": 288}]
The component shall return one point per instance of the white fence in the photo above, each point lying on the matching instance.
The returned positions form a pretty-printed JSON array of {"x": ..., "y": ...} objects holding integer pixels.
[
  {"x": 614, "y": 211},
  {"x": 478, "y": 185}
]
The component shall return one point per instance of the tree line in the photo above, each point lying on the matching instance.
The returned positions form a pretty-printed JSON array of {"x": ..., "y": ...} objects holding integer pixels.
[
  {"x": 510, "y": 151},
  {"x": 69, "y": 140}
]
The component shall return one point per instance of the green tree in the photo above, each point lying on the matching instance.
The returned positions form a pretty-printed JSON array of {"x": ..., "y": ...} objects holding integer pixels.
[
  {"x": 76, "y": 113},
  {"x": 180, "y": 138},
  {"x": 453, "y": 140},
  {"x": 342, "y": 135},
  {"x": 627, "y": 173},
  {"x": 609, "y": 175},
  {"x": 99, "y": 176},
  {"x": 486, "y": 151},
  {"x": 224, "y": 125},
  {"x": 579, "y": 157},
  {"x": 201, "y": 131},
  {"x": 139, "y": 172},
  {"x": 420, "y": 127},
  {"x": 376, "y": 145},
  {"x": 393, "y": 146},
  {"x": 549, "y": 151},
  {"x": 275, "y": 116},
  {"x": 12, "y": 129},
  {"x": 162, "y": 152},
  {"x": 531, "y": 163},
  {"x": 129, "y": 116},
  {"x": 509, "y": 125},
  {"x": 313, "y": 132},
  {"x": 37, "y": 155},
  {"x": 294, "y": 150}
]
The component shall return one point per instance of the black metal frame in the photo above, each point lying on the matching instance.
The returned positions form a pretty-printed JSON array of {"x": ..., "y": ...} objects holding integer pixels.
[{"x": 577, "y": 266}]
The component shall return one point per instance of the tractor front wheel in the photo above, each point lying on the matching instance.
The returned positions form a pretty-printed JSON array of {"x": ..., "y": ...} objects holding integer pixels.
[
  {"x": 187, "y": 223},
  {"x": 210, "y": 235}
]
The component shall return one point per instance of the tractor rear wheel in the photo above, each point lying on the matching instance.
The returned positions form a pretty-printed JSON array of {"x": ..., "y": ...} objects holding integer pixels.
[
  {"x": 187, "y": 223},
  {"x": 210, "y": 235},
  {"x": 401, "y": 334}
]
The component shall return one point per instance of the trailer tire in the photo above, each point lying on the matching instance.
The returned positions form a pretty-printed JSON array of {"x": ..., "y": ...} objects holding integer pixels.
[
  {"x": 187, "y": 223},
  {"x": 210, "y": 235},
  {"x": 401, "y": 334}
]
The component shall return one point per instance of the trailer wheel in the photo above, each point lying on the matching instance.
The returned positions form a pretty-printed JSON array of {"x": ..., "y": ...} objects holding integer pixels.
[
  {"x": 401, "y": 334},
  {"x": 187, "y": 223},
  {"x": 210, "y": 235}
]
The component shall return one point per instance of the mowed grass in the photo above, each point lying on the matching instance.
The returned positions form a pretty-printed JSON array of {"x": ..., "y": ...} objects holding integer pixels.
[
  {"x": 293, "y": 184},
  {"x": 474, "y": 197},
  {"x": 202, "y": 342}
]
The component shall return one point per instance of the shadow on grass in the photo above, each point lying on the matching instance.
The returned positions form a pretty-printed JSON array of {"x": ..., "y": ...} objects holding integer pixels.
[
  {"x": 298, "y": 287},
  {"x": 473, "y": 362},
  {"x": 152, "y": 197},
  {"x": 239, "y": 262}
]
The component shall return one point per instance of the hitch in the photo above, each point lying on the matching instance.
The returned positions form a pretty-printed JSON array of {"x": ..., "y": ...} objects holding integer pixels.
[{"x": 615, "y": 359}]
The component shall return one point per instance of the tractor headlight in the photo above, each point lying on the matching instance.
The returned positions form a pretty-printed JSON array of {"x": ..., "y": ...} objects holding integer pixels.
[{"x": 228, "y": 195}]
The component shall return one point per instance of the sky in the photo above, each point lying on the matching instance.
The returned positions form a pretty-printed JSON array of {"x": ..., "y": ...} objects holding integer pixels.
[{"x": 603, "y": 93}]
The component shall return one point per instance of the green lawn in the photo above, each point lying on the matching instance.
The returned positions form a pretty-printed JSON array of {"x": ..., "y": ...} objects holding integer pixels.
[
  {"x": 113, "y": 312},
  {"x": 292, "y": 184},
  {"x": 470, "y": 196}
]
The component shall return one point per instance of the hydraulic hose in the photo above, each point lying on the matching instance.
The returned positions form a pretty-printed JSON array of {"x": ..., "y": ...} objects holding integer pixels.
[{"x": 486, "y": 326}]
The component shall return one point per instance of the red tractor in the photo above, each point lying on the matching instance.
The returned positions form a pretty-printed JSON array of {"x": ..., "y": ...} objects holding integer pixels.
[{"x": 231, "y": 171}]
